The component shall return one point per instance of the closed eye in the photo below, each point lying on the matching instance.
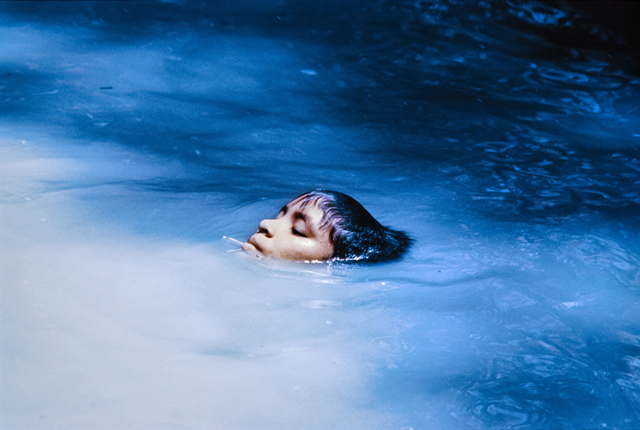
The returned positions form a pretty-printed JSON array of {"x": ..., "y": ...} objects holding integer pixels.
[{"x": 297, "y": 233}]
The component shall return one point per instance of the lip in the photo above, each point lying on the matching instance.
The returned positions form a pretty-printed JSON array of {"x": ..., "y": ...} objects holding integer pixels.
[{"x": 251, "y": 245}]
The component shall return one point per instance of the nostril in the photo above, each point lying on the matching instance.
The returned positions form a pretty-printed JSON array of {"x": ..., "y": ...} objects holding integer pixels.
[{"x": 263, "y": 228}]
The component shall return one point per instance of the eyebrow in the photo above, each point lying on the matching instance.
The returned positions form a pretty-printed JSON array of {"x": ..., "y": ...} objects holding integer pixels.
[{"x": 284, "y": 209}]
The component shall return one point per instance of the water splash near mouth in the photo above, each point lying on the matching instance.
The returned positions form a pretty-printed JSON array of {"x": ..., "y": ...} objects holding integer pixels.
[{"x": 231, "y": 239}]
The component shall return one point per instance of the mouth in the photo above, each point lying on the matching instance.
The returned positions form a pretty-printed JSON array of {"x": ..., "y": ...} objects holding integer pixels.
[{"x": 251, "y": 246}]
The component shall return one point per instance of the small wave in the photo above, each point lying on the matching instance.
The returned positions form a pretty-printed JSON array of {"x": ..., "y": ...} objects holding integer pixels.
[
  {"x": 556, "y": 76},
  {"x": 538, "y": 13},
  {"x": 595, "y": 251},
  {"x": 507, "y": 413}
]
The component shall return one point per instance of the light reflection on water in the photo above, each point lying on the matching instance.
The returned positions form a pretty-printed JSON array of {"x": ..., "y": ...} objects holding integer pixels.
[{"x": 129, "y": 152}]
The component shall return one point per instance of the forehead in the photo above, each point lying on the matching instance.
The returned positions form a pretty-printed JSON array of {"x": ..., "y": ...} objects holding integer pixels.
[
  {"x": 304, "y": 204},
  {"x": 310, "y": 207}
]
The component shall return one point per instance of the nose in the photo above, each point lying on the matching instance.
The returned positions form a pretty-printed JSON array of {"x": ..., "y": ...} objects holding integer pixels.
[{"x": 266, "y": 227}]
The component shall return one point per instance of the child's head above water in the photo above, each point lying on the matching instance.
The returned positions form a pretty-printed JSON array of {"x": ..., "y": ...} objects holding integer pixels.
[{"x": 326, "y": 225}]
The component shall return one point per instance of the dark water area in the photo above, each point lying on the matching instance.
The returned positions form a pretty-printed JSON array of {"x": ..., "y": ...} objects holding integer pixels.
[{"x": 502, "y": 136}]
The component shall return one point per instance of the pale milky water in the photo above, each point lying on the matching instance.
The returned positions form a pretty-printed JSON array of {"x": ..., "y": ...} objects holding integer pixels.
[{"x": 136, "y": 136}]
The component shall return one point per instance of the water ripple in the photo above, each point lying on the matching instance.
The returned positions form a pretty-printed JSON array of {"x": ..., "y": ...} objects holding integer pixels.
[
  {"x": 508, "y": 413},
  {"x": 557, "y": 76}
]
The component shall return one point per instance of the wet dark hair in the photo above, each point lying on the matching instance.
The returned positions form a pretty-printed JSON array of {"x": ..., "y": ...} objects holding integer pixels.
[{"x": 355, "y": 233}]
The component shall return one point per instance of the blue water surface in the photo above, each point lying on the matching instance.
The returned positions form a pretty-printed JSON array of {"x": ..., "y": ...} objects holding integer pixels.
[{"x": 136, "y": 138}]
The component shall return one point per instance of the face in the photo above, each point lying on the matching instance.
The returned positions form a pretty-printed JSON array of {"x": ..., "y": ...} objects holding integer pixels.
[{"x": 295, "y": 234}]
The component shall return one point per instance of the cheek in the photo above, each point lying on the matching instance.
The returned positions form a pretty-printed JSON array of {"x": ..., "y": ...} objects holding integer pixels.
[
  {"x": 294, "y": 248},
  {"x": 315, "y": 250},
  {"x": 301, "y": 250}
]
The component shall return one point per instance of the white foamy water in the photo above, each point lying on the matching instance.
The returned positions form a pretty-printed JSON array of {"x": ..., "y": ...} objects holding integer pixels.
[{"x": 106, "y": 328}]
